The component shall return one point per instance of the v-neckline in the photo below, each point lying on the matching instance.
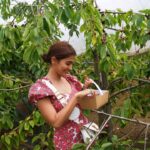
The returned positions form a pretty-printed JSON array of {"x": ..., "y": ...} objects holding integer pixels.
[{"x": 69, "y": 93}]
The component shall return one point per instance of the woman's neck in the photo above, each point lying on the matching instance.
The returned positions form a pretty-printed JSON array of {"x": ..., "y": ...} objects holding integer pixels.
[{"x": 53, "y": 76}]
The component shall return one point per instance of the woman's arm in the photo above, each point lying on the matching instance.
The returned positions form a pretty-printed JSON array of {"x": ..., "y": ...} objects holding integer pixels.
[{"x": 57, "y": 119}]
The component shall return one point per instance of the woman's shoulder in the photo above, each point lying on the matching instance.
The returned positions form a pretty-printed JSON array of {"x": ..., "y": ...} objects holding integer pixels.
[
  {"x": 38, "y": 90},
  {"x": 37, "y": 85}
]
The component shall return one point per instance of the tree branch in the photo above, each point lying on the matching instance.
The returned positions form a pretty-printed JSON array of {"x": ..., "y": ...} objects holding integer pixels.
[
  {"x": 5, "y": 77},
  {"x": 143, "y": 80},
  {"x": 146, "y": 138},
  {"x": 115, "y": 81},
  {"x": 121, "y": 13},
  {"x": 14, "y": 89},
  {"x": 137, "y": 52},
  {"x": 124, "y": 90},
  {"x": 137, "y": 137},
  {"x": 120, "y": 30},
  {"x": 100, "y": 130}
]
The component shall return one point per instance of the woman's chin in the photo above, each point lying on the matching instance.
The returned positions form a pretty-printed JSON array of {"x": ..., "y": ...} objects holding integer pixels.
[{"x": 65, "y": 73}]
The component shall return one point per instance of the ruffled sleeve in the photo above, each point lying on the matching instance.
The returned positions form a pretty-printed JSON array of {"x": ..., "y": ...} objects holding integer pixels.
[
  {"x": 38, "y": 91},
  {"x": 75, "y": 81}
]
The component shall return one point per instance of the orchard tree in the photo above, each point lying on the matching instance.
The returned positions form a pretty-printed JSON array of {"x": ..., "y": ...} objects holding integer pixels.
[{"x": 32, "y": 28}]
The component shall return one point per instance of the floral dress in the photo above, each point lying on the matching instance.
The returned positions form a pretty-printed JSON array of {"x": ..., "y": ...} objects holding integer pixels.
[{"x": 68, "y": 134}]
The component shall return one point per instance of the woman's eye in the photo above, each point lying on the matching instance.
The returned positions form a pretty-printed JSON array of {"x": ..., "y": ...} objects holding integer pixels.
[{"x": 69, "y": 63}]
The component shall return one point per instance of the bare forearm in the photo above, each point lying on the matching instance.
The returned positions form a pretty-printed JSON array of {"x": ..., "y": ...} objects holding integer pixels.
[{"x": 63, "y": 115}]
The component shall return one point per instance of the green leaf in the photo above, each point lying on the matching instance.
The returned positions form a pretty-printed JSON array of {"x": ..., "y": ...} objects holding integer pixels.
[
  {"x": 22, "y": 136},
  {"x": 104, "y": 65},
  {"x": 67, "y": 2},
  {"x": 129, "y": 70},
  {"x": 114, "y": 138},
  {"x": 10, "y": 123},
  {"x": 26, "y": 126},
  {"x": 2, "y": 34},
  {"x": 37, "y": 147},
  {"x": 35, "y": 138},
  {"x": 77, "y": 17},
  {"x": 20, "y": 128},
  {"x": 27, "y": 31},
  {"x": 127, "y": 108},
  {"x": 7, "y": 139},
  {"x": 64, "y": 18},
  {"x": 10, "y": 83},
  {"x": 141, "y": 142},
  {"x": 68, "y": 12},
  {"x": 46, "y": 25},
  {"x": 93, "y": 40},
  {"x": 79, "y": 146},
  {"x": 111, "y": 51},
  {"x": 102, "y": 50},
  {"x": 17, "y": 141},
  {"x": 27, "y": 54},
  {"x": 82, "y": 28},
  {"x": 105, "y": 145},
  {"x": 31, "y": 122}
]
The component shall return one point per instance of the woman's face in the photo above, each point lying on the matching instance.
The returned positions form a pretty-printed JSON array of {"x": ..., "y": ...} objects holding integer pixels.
[{"x": 63, "y": 66}]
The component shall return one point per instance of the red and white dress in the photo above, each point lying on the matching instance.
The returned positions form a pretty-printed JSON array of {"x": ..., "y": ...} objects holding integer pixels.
[{"x": 70, "y": 133}]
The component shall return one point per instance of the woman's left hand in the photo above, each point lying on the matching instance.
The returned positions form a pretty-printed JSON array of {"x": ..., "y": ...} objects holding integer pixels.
[{"x": 85, "y": 94}]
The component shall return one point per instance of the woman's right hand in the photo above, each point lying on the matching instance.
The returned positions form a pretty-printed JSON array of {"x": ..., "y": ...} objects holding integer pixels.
[
  {"x": 87, "y": 83},
  {"x": 87, "y": 93}
]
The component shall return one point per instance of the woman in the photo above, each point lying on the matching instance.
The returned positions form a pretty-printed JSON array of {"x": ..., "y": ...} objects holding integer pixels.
[{"x": 61, "y": 57}]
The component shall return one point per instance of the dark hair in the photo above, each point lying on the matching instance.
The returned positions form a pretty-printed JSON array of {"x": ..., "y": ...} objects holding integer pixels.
[{"x": 60, "y": 50}]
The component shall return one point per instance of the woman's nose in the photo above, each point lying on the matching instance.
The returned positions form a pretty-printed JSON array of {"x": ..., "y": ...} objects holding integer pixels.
[{"x": 70, "y": 67}]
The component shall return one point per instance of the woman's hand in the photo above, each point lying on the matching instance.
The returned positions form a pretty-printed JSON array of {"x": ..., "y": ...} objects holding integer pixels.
[
  {"x": 87, "y": 93},
  {"x": 87, "y": 83}
]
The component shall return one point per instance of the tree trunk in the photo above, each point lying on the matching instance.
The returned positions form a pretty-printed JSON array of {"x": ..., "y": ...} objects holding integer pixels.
[{"x": 103, "y": 83}]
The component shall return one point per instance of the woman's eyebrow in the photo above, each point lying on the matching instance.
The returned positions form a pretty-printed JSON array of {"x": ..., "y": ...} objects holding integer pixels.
[{"x": 71, "y": 62}]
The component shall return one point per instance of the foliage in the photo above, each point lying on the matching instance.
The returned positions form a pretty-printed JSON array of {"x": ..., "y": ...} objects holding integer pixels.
[
  {"x": 105, "y": 144},
  {"x": 33, "y": 28}
]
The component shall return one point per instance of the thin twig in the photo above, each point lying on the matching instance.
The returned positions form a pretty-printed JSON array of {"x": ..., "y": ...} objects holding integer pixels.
[
  {"x": 143, "y": 80},
  {"x": 124, "y": 90},
  {"x": 126, "y": 135},
  {"x": 120, "y": 30},
  {"x": 146, "y": 138},
  {"x": 96, "y": 5},
  {"x": 137, "y": 137},
  {"x": 14, "y": 89},
  {"x": 114, "y": 29},
  {"x": 121, "y": 13},
  {"x": 100, "y": 130},
  {"x": 122, "y": 118},
  {"x": 137, "y": 52},
  {"x": 5, "y": 77},
  {"x": 26, "y": 145},
  {"x": 115, "y": 81}
]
